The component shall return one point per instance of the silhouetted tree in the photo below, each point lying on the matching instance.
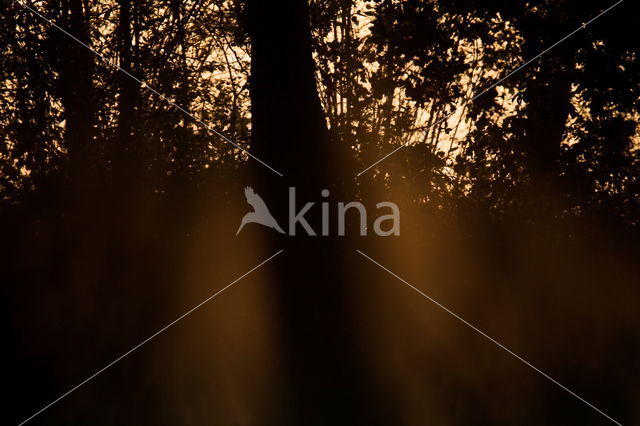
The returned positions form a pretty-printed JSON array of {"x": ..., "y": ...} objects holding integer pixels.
[{"x": 289, "y": 132}]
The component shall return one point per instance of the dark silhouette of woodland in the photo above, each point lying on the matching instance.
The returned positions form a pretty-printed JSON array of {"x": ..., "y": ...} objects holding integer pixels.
[{"x": 520, "y": 211}]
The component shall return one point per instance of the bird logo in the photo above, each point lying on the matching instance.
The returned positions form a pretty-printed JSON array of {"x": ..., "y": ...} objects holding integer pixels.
[{"x": 260, "y": 213}]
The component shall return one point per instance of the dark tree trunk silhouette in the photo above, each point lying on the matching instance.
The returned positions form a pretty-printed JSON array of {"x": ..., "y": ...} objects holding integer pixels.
[
  {"x": 287, "y": 120},
  {"x": 290, "y": 134},
  {"x": 125, "y": 152},
  {"x": 76, "y": 88},
  {"x": 183, "y": 155},
  {"x": 548, "y": 100},
  {"x": 547, "y": 95}
]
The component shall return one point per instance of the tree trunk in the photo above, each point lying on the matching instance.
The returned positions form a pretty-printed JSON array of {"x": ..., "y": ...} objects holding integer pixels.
[
  {"x": 77, "y": 91},
  {"x": 126, "y": 152},
  {"x": 289, "y": 133},
  {"x": 548, "y": 101}
]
